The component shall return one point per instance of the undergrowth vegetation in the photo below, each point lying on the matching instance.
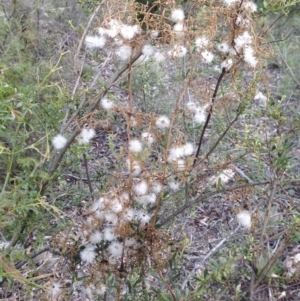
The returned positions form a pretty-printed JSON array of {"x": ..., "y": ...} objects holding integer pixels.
[{"x": 149, "y": 151}]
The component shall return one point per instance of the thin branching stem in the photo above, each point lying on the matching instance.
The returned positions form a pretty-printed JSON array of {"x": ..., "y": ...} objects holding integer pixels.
[
  {"x": 209, "y": 115},
  {"x": 199, "y": 199}
]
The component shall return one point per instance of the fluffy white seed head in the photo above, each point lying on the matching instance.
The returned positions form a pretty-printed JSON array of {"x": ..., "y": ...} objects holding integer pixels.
[
  {"x": 140, "y": 188},
  {"x": 188, "y": 149},
  {"x": 55, "y": 289},
  {"x": 207, "y": 56},
  {"x": 107, "y": 104},
  {"x": 191, "y": 106},
  {"x": 96, "y": 237},
  {"x": 223, "y": 177},
  {"x": 114, "y": 28},
  {"x": 111, "y": 217},
  {"x": 261, "y": 99},
  {"x": 200, "y": 116},
  {"x": 59, "y": 142},
  {"x": 250, "y": 6},
  {"x": 179, "y": 28},
  {"x": 244, "y": 219},
  {"x": 148, "y": 50},
  {"x": 156, "y": 187},
  {"x": 88, "y": 254},
  {"x": 174, "y": 186},
  {"x": 95, "y": 41},
  {"x": 135, "y": 146},
  {"x": 85, "y": 136},
  {"x": 128, "y": 214},
  {"x": 177, "y": 15},
  {"x": 135, "y": 167},
  {"x": 143, "y": 218},
  {"x": 230, "y": 2},
  {"x": 98, "y": 205},
  {"x": 181, "y": 165},
  {"x": 201, "y": 42},
  {"x": 102, "y": 31},
  {"x": 178, "y": 51},
  {"x": 223, "y": 47},
  {"x": 115, "y": 249},
  {"x": 116, "y": 205},
  {"x": 124, "y": 52},
  {"x": 149, "y": 198},
  {"x": 175, "y": 153},
  {"x": 128, "y": 32},
  {"x": 147, "y": 138},
  {"x": 162, "y": 122},
  {"x": 242, "y": 22},
  {"x": 159, "y": 57},
  {"x": 249, "y": 57},
  {"x": 109, "y": 234},
  {"x": 243, "y": 40},
  {"x": 227, "y": 64}
]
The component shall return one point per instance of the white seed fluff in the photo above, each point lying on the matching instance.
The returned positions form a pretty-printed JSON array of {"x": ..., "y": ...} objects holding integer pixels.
[
  {"x": 128, "y": 32},
  {"x": 96, "y": 237},
  {"x": 188, "y": 149},
  {"x": 116, "y": 205},
  {"x": 179, "y": 28},
  {"x": 148, "y": 50},
  {"x": 180, "y": 165},
  {"x": 114, "y": 28},
  {"x": 200, "y": 116},
  {"x": 111, "y": 217},
  {"x": 156, "y": 187},
  {"x": 178, "y": 51},
  {"x": 59, "y": 141},
  {"x": 162, "y": 122},
  {"x": 223, "y": 47},
  {"x": 109, "y": 234},
  {"x": 140, "y": 188},
  {"x": 226, "y": 175},
  {"x": 176, "y": 152},
  {"x": 128, "y": 214},
  {"x": 102, "y": 31},
  {"x": 230, "y": 2},
  {"x": 55, "y": 289},
  {"x": 143, "y": 218},
  {"x": 249, "y": 5},
  {"x": 85, "y": 136},
  {"x": 147, "y": 138},
  {"x": 177, "y": 15},
  {"x": 191, "y": 106},
  {"x": 249, "y": 57},
  {"x": 159, "y": 57},
  {"x": 227, "y": 64},
  {"x": 88, "y": 254},
  {"x": 243, "y": 39},
  {"x": 107, "y": 104},
  {"x": 115, "y": 249},
  {"x": 95, "y": 41},
  {"x": 207, "y": 56},
  {"x": 174, "y": 186},
  {"x": 135, "y": 167},
  {"x": 244, "y": 219},
  {"x": 135, "y": 146},
  {"x": 261, "y": 99},
  {"x": 201, "y": 42},
  {"x": 124, "y": 52},
  {"x": 149, "y": 198}
]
